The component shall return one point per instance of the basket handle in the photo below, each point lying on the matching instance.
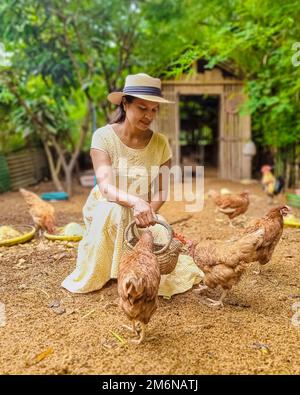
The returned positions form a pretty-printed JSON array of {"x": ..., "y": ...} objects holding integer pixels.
[{"x": 163, "y": 223}]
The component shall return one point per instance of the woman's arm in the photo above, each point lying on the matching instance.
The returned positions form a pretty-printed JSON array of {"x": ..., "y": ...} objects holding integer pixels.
[
  {"x": 142, "y": 211},
  {"x": 161, "y": 195}
]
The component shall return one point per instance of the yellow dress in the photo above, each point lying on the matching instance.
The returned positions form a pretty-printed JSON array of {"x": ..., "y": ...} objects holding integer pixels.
[{"x": 100, "y": 249}]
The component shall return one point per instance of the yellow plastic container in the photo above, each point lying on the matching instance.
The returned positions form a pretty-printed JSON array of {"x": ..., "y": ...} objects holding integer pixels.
[
  {"x": 27, "y": 231},
  {"x": 60, "y": 236},
  {"x": 291, "y": 220}
]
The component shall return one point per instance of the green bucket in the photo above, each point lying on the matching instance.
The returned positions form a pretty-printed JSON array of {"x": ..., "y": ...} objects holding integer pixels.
[{"x": 293, "y": 199}]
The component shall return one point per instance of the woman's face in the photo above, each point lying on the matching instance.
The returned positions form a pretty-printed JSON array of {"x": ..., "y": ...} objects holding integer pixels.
[{"x": 140, "y": 113}]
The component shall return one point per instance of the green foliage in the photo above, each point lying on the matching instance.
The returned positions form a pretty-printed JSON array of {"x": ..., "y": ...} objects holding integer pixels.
[
  {"x": 256, "y": 37},
  {"x": 66, "y": 53}
]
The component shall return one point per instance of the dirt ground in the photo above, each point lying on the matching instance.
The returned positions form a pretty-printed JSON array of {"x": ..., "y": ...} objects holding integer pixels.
[{"x": 50, "y": 331}]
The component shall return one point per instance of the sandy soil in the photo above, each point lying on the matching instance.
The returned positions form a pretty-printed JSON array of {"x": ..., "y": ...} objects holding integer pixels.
[{"x": 50, "y": 331}]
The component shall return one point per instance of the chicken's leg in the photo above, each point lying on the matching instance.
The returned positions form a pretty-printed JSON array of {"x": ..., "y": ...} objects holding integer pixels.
[
  {"x": 200, "y": 289},
  {"x": 38, "y": 232},
  {"x": 141, "y": 334},
  {"x": 231, "y": 224},
  {"x": 270, "y": 199},
  {"x": 257, "y": 271},
  {"x": 132, "y": 329},
  {"x": 217, "y": 303},
  {"x": 244, "y": 218}
]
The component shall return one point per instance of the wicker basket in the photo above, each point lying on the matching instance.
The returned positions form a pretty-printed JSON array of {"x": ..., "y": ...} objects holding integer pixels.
[{"x": 167, "y": 254}]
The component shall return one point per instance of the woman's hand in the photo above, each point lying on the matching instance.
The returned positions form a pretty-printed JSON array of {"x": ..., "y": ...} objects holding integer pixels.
[{"x": 143, "y": 213}]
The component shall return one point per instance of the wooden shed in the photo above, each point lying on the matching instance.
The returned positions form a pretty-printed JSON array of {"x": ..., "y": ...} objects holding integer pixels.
[{"x": 221, "y": 91}]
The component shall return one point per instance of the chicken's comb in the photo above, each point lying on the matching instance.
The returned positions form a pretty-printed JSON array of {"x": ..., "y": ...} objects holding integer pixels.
[{"x": 180, "y": 237}]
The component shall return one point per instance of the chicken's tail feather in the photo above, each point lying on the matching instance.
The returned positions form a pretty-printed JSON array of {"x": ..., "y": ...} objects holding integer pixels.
[
  {"x": 133, "y": 287},
  {"x": 29, "y": 197}
]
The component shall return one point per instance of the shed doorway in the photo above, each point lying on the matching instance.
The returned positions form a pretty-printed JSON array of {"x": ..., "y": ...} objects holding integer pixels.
[{"x": 199, "y": 131}]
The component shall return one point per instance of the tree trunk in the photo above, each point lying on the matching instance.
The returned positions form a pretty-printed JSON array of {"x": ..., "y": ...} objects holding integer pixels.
[
  {"x": 53, "y": 171},
  {"x": 68, "y": 167},
  {"x": 48, "y": 138},
  {"x": 68, "y": 180},
  {"x": 287, "y": 174},
  {"x": 77, "y": 171}
]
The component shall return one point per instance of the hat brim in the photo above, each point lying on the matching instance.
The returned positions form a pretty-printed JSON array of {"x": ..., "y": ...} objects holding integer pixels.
[{"x": 116, "y": 98}]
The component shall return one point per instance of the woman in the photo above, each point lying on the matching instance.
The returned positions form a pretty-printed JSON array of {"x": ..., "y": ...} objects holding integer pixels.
[{"x": 124, "y": 153}]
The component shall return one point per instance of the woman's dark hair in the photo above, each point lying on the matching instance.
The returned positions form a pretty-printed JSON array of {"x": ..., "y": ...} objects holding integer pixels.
[{"x": 120, "y": 114}]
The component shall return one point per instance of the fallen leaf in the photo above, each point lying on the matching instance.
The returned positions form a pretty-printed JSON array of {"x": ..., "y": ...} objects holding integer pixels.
[
  {"x": 42, "y": 290},
  {"x": 44, "y": 354},
  {"x": 264, "y": 348},
  {"x": 39, "y": 357},
  {"x": 60, "y": 256},
  {"x": 89, "y": 313},
  {"x": 118, "y": 337}
]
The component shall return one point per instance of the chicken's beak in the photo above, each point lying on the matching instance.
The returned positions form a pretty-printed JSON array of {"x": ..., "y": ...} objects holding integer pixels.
[{"x": 285, "y": 210}]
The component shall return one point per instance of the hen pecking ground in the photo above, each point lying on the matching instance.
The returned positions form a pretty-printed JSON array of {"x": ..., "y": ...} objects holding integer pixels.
[{"x": 50, "y": 331}]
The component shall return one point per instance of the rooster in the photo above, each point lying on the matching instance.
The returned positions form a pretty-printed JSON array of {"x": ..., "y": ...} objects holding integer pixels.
[
  {"x": 224, "y": 262},
  {"x": 271, "y": 185},
  {"x": 138, "y": 282},
  {"x": 272, "y": 224},
  {"x": 41, "y": 212},
  {"x": 230, "y": 205}
]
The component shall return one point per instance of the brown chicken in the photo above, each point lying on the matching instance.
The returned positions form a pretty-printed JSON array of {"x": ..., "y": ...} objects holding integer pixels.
[
  {"x": 230, "y": 205},
  {"x": 272, "y": 224},
  {"x": 223, "y": 263},
  {"x": 41, "y": 212},
  {"x": 138, "y": 282}
]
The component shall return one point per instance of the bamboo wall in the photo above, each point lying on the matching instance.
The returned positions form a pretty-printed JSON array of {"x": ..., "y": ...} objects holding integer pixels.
[{"x": 26, "y": 167}]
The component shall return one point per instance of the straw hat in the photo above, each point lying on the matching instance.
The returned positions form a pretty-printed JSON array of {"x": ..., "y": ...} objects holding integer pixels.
[{"x": 142, "y": 86}]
